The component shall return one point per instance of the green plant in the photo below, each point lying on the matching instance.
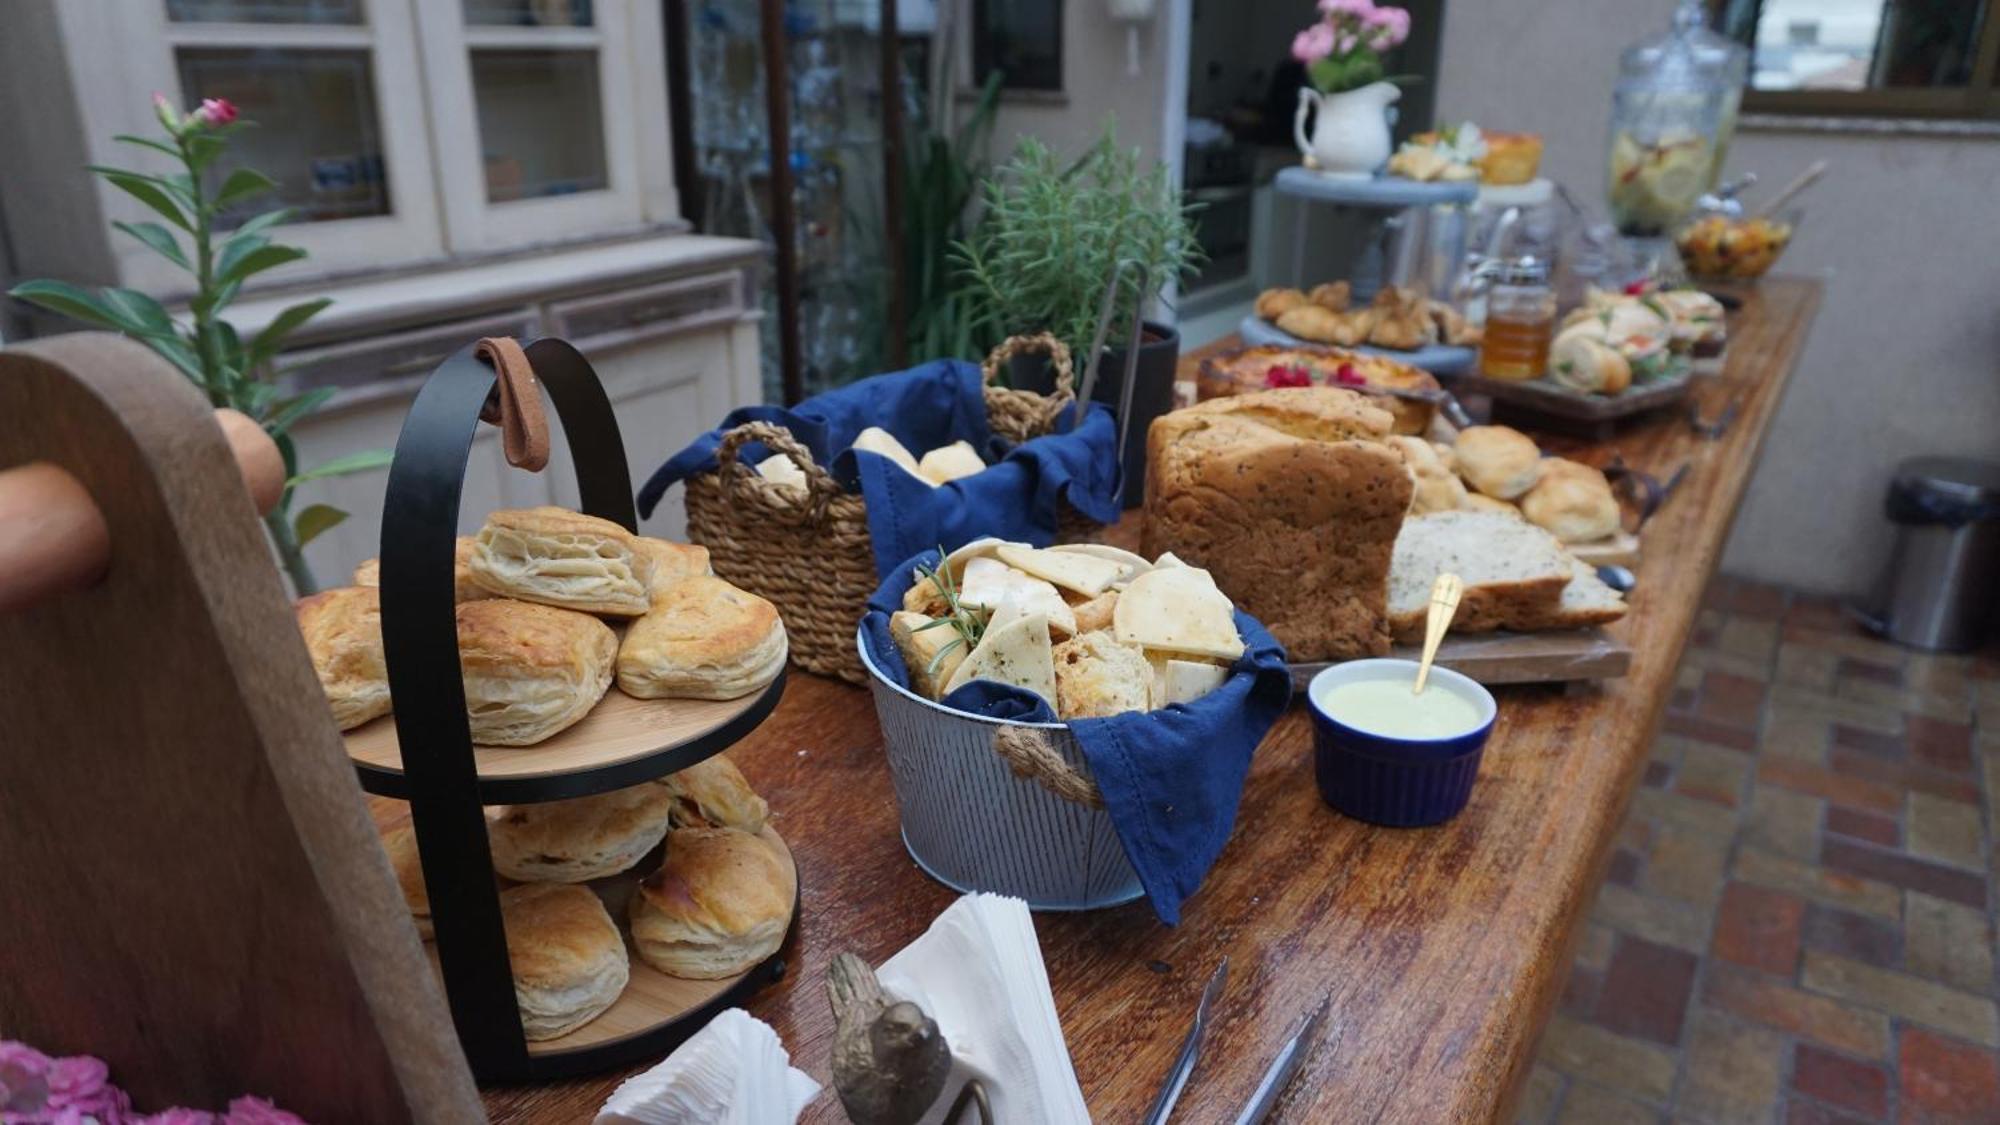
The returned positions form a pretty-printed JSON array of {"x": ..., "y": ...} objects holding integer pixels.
[
  {"x": 968, "y": 624},
  {"x": 1052, "y": 237},
  {"x": 231, "y": 371}
]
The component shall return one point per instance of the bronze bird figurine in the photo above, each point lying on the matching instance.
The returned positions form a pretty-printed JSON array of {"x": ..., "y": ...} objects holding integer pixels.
[{"x": 890, "y": 1060}]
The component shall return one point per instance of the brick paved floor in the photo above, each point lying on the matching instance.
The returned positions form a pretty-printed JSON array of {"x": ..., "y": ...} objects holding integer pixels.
[{"x": 1797, "y": 925}]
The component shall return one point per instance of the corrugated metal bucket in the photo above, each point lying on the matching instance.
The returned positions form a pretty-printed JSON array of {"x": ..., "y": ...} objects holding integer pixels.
[{"x": 975, "y": 824}]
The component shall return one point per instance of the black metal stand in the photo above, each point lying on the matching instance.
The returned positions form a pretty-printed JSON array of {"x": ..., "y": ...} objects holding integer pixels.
[{"x": 440, "y": 778}]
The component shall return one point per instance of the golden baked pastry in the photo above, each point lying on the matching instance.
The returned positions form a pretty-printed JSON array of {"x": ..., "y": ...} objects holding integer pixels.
[
  {"x": 1511, "y": 158},
  {"x": 1274, "y": 303},
  {"x": 464, "y": 589},
  {"x": 1573, "y": 502},
  {"x": 562, "y": 558},
  {"x": 401, "y": 844},
  {"x": 1334, "y": 295},
  {"x": 713, "y": 794},
  {"x": 530, "y": 670},
  {"x": 569, "y": 961},
  {"x": 1096, "y": 677},
  {"x": 1438, "y": 488},
  {"x": 1312, "y": 323},
  {"x": 1583, "y": 361},
  {"x": 1475, "y": 502},
  {"x": 579, "y": 839},
  {"x": 672, "y": 561},
  {"x": 719, "y": 904},
  {"x": 343, "y": 633},
  {"x": 1402, "y": 319},
  {"x": 1500, "y": 461},
  {"x": 1270, "y": 367},
  {"x": 1291, "y": 499},
  {"x": 703, "y": 639},
  {"x": 931, "y": 653}
]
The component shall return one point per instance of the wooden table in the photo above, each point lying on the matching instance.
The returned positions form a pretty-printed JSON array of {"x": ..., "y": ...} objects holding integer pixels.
[{"x": 1444, "y": 949}]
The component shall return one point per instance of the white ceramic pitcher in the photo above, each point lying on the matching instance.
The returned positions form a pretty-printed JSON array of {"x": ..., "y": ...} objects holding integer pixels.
[{"x": 1350, "y": 135}]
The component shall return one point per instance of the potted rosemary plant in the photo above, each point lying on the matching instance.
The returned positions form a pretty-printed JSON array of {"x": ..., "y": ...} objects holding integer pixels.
[{"x": 1048, "y": 247}]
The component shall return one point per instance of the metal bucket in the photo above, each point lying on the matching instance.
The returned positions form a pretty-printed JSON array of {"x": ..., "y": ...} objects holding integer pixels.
[{"x": 974, "y": 825}]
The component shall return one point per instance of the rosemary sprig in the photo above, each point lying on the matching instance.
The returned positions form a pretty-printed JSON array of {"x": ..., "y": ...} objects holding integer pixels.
[{"x": 969, "y": 625}]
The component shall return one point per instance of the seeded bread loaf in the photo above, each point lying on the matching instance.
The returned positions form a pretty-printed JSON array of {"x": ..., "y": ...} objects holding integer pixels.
[
  {"x": 1514, "y": 572},
  {"x": 1291, "y": 499},
  {"x": 1586, "y": 601}
]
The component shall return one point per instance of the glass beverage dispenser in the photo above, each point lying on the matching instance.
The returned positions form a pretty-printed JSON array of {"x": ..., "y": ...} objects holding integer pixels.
[{"x": 1672, "y": 113}]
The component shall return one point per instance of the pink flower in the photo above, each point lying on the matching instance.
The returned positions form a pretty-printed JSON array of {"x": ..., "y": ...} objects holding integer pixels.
[
  {"x": 1314, "y": 43},
  {"x": 252, "y": 1110},
  {"x": 83, "y": 1084},
  {"x": 177, "y": 1116},
  {"x": 1359, "y": 9},
  {"x": 216, "y": 112},
  {"x": 1390, "y": 26},
  {"x": 168, "y": 115},
  {"x": 1346, "y": 42}
]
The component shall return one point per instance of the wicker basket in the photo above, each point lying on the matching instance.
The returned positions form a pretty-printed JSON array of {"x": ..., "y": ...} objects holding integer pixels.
[{"x": 809, "y": 553}]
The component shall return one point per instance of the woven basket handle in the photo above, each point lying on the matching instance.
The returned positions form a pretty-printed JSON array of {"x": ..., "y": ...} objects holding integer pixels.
[
  {"x": 1059, "y": 358},
  {"x": 1028, "y": 753},
  {"x": 820, "y": 485},
  {"x": 1017, "y": 414}
]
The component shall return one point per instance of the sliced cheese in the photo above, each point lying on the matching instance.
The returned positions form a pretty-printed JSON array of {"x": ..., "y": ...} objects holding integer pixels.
[
  {"x": 948, "y": 463},
  {"x": 988, "y": 583},
  {"x": 1177, "y": 610},
  {"x": 1130, "y": 566},
  {"x": 1018, "y": 653},
  {"x": 875, "y": 439},
  {"x": 782, "y": 470},
  {"x": 1184, "y": 681},
  {"x": 1082, "y": 573}
]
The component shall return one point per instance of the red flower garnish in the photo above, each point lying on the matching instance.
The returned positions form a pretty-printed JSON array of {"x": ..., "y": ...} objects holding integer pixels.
[
  {"x": 1635, "y": 289},
  {"x": 1288, "y": 375},
  {"x": 1347, "y": 376}
]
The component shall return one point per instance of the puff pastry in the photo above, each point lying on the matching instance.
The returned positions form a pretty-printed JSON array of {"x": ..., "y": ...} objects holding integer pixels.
[
  {"x": 672, "y": 562},
  {"x": 343, "y": 632},
  {"x": 581, "y": 838},
  {"x": 719, "y": 904},
  {"x": 569, "y": 961},
  {"x": 712, "y": 794},
  {"x": 530, "y": 670},
  {"x": 464, "y": 589},
  {"x": 562, "y": 558},
  {"x": 703, "y": 639}
]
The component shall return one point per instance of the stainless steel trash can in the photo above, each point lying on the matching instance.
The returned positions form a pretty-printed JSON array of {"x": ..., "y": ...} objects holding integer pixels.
[{"x": 1938, "y": 592}]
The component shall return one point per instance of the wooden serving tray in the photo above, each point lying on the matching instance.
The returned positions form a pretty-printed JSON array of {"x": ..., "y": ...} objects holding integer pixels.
[
  {"x": 619, "y": 730},
  {"x": 1514, "y": 658},
  {"x": 1544, "y": 396}
]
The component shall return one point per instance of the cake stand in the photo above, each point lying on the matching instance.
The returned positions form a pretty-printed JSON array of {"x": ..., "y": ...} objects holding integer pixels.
[{"x": 425, "y": 753}]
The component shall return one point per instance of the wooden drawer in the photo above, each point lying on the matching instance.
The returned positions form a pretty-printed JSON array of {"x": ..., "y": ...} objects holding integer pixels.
[
  {"x": 391, "y": 360},
  {"x": 599, "y": 324}
]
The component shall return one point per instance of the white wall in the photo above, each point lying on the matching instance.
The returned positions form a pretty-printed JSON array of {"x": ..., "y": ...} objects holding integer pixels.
[
  {"x": 1904, "y": 231},
  {"x": 1096, "y": 87}
]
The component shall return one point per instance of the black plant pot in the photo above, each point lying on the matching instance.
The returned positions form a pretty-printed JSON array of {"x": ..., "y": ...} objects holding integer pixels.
[{"x": 1152, "y": 392}]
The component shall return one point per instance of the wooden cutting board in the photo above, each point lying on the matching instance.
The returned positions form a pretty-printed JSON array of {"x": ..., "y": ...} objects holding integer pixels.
[{"x": 1515, "y": 658}]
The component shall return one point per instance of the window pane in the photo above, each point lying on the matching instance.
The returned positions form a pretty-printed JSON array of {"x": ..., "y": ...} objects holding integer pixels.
[
  {"x": 1858, "y": 44},
  {"x": 1020, "y": 38},
  {"x": 317, "y": 132},
  {"x": 529, "y": 13},
  {"x": 264, "y": 11},
  {"x": 541, "y": 131}
]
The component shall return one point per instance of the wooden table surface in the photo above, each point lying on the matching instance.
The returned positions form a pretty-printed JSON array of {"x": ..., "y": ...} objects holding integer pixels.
[{"x": 1443, "y": 949}]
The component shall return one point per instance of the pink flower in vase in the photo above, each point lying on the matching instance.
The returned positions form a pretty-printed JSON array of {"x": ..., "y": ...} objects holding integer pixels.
[
  {"x": 1388, "y": 27},
  {"x": 177, "y": 1116},
  {"x": 1345, "y": 42},
  {"x": 1313, "y": 44},
  {"x": 1359, "y": 9},
  {"x": 252, "y": 1110},
  {"x": 216, "y": 112},
  {"x": 83, "y": 1084}
]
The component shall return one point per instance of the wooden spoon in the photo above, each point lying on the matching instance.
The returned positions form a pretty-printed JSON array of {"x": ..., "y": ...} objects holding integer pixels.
[
  {"x": 1784, "y": 196},
  {"x": 1445, "y": 593}
]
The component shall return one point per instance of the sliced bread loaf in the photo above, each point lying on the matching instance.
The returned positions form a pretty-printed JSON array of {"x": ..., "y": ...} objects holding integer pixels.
[
  {"x": 1513, "y": 571},
  {"x": 1586, "y": 601}
]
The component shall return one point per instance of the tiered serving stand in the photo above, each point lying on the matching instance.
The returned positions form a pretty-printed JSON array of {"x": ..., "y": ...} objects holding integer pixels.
[{"x": 448, "y": 780}]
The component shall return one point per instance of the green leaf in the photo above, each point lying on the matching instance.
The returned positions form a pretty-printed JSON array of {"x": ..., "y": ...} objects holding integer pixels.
[
  {"x": 315, "y": 519},
  {"x": 288, "y": 412},
  {"x": 160, "y": 239},
  {"x": 242, "y": 183},
  {"x": 177, "y": 352},
  {"x": 69, "y": 300},
  {"x": 148, "y": 142},
  {"x": 343, "y": 466},
  {"x": 203, "y": 148},
  {"x": 149, "y": 190},
  {"x": 268, "y": 342},
  {"x": 250, "y": 228},
  {"x": 232, "y": 266},
  {"x": 141, "y": 315}
]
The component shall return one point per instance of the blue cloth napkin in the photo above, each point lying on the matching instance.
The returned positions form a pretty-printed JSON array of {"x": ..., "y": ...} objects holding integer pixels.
[
  {"x": 1171, "y": 778},
  {"x": 925, "y": 407}
]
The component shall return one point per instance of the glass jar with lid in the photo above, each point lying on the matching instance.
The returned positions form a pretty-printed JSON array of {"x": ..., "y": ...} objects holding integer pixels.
[
  {"x": 1673, "y": 111},
  {"x": 1520, "y": 321}
]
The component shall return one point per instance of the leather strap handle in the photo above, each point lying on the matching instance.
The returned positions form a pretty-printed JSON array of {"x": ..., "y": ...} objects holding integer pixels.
[{"x": 516, "y": 403}]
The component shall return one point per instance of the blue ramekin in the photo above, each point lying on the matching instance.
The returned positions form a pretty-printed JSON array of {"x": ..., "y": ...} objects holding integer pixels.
[{"x": 1397, "y": 782}]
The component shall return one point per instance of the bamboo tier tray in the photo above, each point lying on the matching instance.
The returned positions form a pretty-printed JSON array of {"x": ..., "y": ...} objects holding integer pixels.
[{"x": 623, "y": 741}]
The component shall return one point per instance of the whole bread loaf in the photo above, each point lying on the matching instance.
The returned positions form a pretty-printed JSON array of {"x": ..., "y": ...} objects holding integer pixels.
[{"x": 1292, "y": 499}]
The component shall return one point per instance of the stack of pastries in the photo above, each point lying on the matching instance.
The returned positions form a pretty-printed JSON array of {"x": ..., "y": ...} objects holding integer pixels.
[
  {"x": 719, "y": 902},
  {"x": 1400, "y": 318},
  {"x": 535, "y": 590}
]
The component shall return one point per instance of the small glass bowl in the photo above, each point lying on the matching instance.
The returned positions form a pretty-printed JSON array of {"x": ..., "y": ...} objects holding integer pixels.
[{"x": 1719, "y": 247}]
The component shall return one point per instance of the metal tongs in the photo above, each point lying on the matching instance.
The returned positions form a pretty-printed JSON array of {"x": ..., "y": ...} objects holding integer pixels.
[
  {"x": 1178, "y": 1074},
  {"x": 1276, "y": 1077}
]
